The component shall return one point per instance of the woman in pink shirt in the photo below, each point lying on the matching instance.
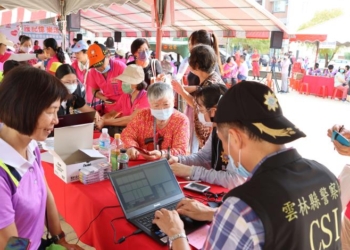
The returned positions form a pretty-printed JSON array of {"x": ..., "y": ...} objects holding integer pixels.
[
  {"x": 230, "y": 71},
  {"x": 81, "y": 66},
  {"x": 133, "y": 99},
  {"x": 6, "y": 55},
  {"x": 53, "y": 52}
]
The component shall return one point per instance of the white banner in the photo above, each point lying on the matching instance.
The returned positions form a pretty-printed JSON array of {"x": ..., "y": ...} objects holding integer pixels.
[
  {"x": 328, "y": 45},
  {"x": 11, "y": 31}
]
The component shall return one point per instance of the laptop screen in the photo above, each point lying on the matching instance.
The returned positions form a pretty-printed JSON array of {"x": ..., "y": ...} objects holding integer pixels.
[{"x": 146, "y": 187}]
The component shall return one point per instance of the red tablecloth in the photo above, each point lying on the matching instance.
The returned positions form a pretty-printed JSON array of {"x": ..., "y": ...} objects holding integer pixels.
[
  {"x": 79, "y": 204},
  {"x": 316, "y": 82}
]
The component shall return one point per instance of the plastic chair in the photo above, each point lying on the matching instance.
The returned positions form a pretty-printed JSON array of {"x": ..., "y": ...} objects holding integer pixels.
[
  {"x": 304, "y": 86},
  {"x": 323, "y": 92},
  {"x": 297, "y": 84},
  {"x": 335, "y": 92}
]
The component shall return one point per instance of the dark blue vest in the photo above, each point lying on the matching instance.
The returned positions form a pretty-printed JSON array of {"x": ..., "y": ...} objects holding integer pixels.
[{"x": 298, "y": 202}]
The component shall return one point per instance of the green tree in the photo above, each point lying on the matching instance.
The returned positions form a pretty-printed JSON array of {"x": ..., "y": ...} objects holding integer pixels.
[
  {"x": 262, "y": 45},
  {"x": 320, "y": 17}
]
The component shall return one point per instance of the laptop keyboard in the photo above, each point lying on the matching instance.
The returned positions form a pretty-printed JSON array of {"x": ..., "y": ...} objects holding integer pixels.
[{"x": 147, "y": 219}]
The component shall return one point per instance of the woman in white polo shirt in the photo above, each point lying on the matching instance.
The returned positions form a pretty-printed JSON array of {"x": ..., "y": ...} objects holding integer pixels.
[{"x": 28, "y": 115}]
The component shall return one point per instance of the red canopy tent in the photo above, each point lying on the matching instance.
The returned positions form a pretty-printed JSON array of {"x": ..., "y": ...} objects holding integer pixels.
[{"x": 164, "y": 18}]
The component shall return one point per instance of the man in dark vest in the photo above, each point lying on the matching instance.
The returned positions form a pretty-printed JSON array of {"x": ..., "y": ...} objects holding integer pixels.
[{"x": 288, "y": 202}]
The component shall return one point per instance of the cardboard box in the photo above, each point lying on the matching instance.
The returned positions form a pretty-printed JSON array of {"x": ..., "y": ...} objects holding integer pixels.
[{"x": 73, "y": 151}]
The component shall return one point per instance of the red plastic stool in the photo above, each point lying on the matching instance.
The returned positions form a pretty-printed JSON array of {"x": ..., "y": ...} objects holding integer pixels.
[
  {"x": 323, "y": 92},
  {"x": 302, "y": 85},
  {"x": 335, "y": 92}
]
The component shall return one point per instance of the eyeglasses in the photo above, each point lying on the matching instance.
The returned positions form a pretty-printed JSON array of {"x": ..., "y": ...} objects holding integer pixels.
[{"x": 213, "y": 196}]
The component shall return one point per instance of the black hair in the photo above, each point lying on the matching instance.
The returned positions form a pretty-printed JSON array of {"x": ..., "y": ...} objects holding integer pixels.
[
  {"x": 64, "y": 69},
  {"x": 210, "y": 95},
  {"x": 110, "y": 42},
  {"x": 202, "y": 58},
  {"x": 137, "y": 43},
  {"x": 75, "y": 39},
  {"x": 242, "y": 56},
  {"x": 330, "y": 66},
  {"x": 347, "y": 67},
  {"x": 28, "y": 80},
  {"x": 24, "y": 39},
  {"x": 20, "y": 37},
  {"x": 228, "y": 60},
  {"x": 38, "y": 51},
  {"x": 36, "y": 42},
  {"x": 8, "y": 65},
  {"x": 141, "y": 86},
  {"x": 52, "y": 43},
  {"x": 88, "y": 42},
  {"x": 205, "y": 37},
  {"x": 96, "y": 42},
  {"x": 316, "y": 65}
]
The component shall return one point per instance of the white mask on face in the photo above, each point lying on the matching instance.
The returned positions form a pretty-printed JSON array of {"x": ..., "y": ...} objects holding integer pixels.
[
  {"x": 71, "y": 87},
  {"x": 26, "y": 49},
  {"x": 162, "y": 114},
  {"x": 203, "y": 121}
]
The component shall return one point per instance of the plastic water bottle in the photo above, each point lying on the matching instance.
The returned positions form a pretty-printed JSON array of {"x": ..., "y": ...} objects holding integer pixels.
[
  {"x": 104, "y": 143},
  {"x": 116, "y": 146},
  {"x": 123, "y": 159}
]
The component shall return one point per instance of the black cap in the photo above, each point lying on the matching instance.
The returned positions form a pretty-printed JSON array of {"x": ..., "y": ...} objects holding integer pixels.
[{"x": 256, "y": 107}]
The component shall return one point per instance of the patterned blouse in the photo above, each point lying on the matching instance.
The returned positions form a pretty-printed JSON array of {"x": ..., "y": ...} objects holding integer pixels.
[
  {"x": 175, "y": 134},
  {"x": 203, "y": 132}
]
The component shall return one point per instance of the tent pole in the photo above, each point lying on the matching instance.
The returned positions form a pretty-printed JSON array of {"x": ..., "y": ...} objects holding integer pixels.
[{"x": 317, "y": 50}]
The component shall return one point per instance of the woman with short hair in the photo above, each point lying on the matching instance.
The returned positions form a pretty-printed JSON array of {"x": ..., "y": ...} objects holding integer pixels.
[
  {"x": 160, "y": 129},
  {"x": 202, "y": 63},
  {"x": 24, "y": 194},
  {"x": 151, "y": 67}
]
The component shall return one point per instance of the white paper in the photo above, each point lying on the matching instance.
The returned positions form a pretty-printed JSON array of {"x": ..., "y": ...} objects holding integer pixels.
[
  {"x": 48, "y": 144},
  {"x": 92, "y": 153}
]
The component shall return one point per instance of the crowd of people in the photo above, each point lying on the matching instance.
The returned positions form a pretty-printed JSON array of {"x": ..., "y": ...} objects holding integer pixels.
[{"x": 233, "y": 133}]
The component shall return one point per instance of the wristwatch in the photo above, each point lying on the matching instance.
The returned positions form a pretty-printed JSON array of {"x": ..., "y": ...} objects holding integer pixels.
[
  {"x": 56, "y": 238},
  {"x": 175, "y": 237}
]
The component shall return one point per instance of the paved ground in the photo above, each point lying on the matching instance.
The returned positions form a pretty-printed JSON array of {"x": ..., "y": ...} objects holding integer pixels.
[{"x": 314, "y": 115}]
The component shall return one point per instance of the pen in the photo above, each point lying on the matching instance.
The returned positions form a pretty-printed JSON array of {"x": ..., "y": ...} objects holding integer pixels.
[{"x": 168, "y": 157}]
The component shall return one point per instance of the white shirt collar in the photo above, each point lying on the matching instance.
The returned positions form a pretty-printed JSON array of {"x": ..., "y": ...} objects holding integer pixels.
[
  {"x": 11, "y": 157},
  {"x": 83, "y": 67}
]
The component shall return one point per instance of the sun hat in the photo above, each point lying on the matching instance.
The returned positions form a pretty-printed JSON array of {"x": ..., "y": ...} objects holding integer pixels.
[{"x": 132, "y": 74}]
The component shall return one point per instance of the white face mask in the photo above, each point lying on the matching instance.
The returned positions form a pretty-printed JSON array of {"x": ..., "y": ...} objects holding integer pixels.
[
  {"x": 162, "y": 114},
  {"x": 71, "y": 87},
  {"x": 26, "y": 49},
  {"x": 201, "y": 118}
]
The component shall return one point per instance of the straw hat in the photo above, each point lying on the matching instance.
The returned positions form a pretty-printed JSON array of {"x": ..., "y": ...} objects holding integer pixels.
[{"x": 3, "y": 40}]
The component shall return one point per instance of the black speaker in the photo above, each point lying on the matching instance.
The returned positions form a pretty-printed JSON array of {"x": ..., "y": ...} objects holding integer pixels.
[
  {"x": 73, "y": 22},
  {"x": 79, "y": 36},
  {"x": 276, "y": 39},
  {"x": 117, "y": 36}
]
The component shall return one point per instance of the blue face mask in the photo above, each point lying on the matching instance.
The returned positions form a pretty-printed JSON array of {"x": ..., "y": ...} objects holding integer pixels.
[
  {"x": 108, "y": 67},
  {"x": 342, "y": 71},
  {"x": 162, "y": 114},
  {"x": 240, "y": 170},
  {"x": 143, "y": 55}
]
